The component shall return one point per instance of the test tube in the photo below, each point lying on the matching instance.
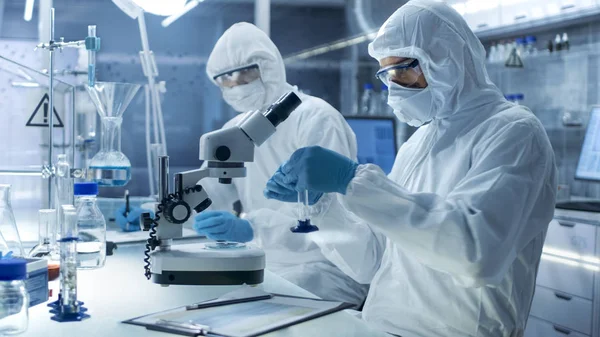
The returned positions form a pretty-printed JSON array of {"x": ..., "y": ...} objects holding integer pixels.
[
  {"x": 68, "y": 261},
  {"x": 304, "y": 225},
  {"x": 301, "y": 210},
  {"x": 91, "y": 58},
  {"x": 306, "y": 209}
]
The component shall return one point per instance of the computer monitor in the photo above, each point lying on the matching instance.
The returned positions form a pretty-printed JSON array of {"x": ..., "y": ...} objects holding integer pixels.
[
  {"x": 588, "y": 167},
  {"x": 376, "y": 140}
]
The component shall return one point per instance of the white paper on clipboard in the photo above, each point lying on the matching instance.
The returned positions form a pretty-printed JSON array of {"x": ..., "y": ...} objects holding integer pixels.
[{"x": 251, "y": 318}]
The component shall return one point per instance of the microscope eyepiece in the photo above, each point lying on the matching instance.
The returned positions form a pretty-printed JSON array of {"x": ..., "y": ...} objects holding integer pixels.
[{"x": 280, "y": 110}]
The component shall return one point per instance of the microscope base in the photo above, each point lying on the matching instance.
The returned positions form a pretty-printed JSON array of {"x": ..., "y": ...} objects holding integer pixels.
[{"x": 197, "y": 264}]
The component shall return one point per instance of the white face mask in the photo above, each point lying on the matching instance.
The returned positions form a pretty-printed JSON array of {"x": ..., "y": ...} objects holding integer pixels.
[
  {"x": 412, "y": 106},
  {"x": 246, "y": 97}
]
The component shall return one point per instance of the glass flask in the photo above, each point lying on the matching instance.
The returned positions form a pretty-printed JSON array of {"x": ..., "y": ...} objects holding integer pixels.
[
  {"x": 110, "y": 167},
  {"x": 91, "y": 226},
  {"x": 8, "y": 226},
  {"x": 14, "y": 299}
]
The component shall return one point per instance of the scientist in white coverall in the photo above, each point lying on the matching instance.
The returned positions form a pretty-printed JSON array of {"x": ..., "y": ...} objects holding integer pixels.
[
  {"x": 457, "y": 228},
  {"x": 250, "y": 72}
]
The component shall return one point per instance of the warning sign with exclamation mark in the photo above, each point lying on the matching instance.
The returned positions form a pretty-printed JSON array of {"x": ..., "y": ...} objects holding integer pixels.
[{"x": 40, "y": 115}]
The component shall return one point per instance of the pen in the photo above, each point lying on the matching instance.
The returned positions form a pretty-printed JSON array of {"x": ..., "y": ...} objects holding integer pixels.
[
  {"x": 227, "y": 302},
  {"x": 127, "y": 207},
  {"x": 126, "y": 202},
  {"x": 202, "y": 329},
  {"x": 175, "y": 330}
]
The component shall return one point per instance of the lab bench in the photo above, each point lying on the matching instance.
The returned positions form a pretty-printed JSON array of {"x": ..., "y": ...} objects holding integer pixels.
[
  {"x": 119, "y": 291},
  {"x": 567, "y": 293}
]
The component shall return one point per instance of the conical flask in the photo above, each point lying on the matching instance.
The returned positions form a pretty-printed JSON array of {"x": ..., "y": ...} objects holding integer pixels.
[
  {"x": 110, "y": 167},
  {"x": 8, "y": 226}
]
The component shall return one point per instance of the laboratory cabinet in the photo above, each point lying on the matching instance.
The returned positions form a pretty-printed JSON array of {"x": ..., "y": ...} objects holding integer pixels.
[
  {"x": 489, "y": 14},
  {"x": 567, "y": 292}
]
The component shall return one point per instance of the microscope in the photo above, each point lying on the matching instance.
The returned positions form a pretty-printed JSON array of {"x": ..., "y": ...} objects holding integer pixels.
[{"x": 217, "y": 263}]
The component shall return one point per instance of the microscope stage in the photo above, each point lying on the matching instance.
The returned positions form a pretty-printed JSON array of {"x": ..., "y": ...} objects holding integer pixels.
[{"x": 199, "y": 264}]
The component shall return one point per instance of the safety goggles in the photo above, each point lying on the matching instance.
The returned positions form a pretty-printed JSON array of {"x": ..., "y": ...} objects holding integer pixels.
[
  {"x": 405, "y": 74},
  {"x": 239, "y": 76}
]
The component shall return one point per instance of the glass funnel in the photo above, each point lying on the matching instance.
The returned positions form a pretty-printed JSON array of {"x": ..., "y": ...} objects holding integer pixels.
[
  {"x": 110, "y": 167},
  {"x": 8, "y": 227}
]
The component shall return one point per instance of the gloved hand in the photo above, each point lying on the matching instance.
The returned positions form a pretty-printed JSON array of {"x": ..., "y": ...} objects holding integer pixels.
[
  {"x": 131, "y": 223},
  {"x": 315, "y": 169},
  {"x": 278, "y": 189},
  {"x": 219, "y": 225}
]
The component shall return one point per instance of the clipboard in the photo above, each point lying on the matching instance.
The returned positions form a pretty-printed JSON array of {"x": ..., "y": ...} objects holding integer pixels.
[{"x": 246, "y": 311}]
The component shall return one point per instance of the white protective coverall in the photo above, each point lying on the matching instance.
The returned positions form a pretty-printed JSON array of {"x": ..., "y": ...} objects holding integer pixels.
[
  {"x": 460, "y": 221},
  {"x": 296, "y": 257}
]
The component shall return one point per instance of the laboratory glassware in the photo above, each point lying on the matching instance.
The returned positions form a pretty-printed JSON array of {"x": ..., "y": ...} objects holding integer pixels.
[
  {"x": 565, "y": 42},
  {"x": 64, "y": 192},
  {"x": 47, "y": 226},
  {"x": 8, "y": 225},
  {"x": 68, "y": 308},
  {"x": 46, "y": 247},
  {"x": 366, "y": 99},
  {"x": 304, "y": 225},
  {"x": 531, "y": 45},
  {"x": 110, "y": 167},
  {"x": 14, "y": 299},
  {"x": 91, "y": 226}
]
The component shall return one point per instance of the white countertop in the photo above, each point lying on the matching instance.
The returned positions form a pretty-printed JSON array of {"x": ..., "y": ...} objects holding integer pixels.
[{"x": 119, "y": 291}]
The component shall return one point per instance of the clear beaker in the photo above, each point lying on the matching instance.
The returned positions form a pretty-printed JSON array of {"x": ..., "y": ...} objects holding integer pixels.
[
  {"x": 47, "y": 248},
  {"x": 47, "y": 226},
  {"x": 110, "y": 167},
  {"x": 8, "y": 225}
]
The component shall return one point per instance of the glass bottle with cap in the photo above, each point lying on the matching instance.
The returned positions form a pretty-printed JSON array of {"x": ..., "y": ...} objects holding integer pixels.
[
  {"x": 14, "y": 299},
  {"x": 91, "y": 225}
]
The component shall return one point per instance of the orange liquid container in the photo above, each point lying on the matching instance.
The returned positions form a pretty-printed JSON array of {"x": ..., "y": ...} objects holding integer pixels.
[{"x": 53, "y": 271}]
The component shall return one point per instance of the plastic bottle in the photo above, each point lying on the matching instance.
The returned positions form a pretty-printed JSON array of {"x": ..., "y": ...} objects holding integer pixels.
[
  {"x": 91, "y": 226},
  {"x": 508, "y": 50},
  {"x": 500, "y": 55},
  {"x": 492, "y": 54},
  {"x": 9, "y": 232},
  {"x": 530, "y": 48},
  {"x": 14, "y": 299},
  {"x": 375, "y": 107},
  {"x": 366, "y": 99},
  {"x": 384, "y": 108},
  {"x": 558, "y": 43},
  {"x": 519, "y": 99},
  {"x": 520, "y": 44},
  {"x": 565, "y": 42},
  {"x": 550, "y": 46}
]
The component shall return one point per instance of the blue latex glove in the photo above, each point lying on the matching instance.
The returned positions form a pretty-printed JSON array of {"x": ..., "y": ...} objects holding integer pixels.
[
  {"x": 315, "y": 169},
  {"x": 131, "y": 223},
  {"x": 219, "y": 225},
  {"x": 278, "y": 189}
]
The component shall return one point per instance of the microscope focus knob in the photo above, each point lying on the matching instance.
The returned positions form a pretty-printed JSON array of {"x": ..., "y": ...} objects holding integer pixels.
[{"x": 177, "y": 211}]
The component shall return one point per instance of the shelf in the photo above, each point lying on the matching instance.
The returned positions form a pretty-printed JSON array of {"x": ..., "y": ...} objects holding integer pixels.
[{"x": 552, "y": 22}]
